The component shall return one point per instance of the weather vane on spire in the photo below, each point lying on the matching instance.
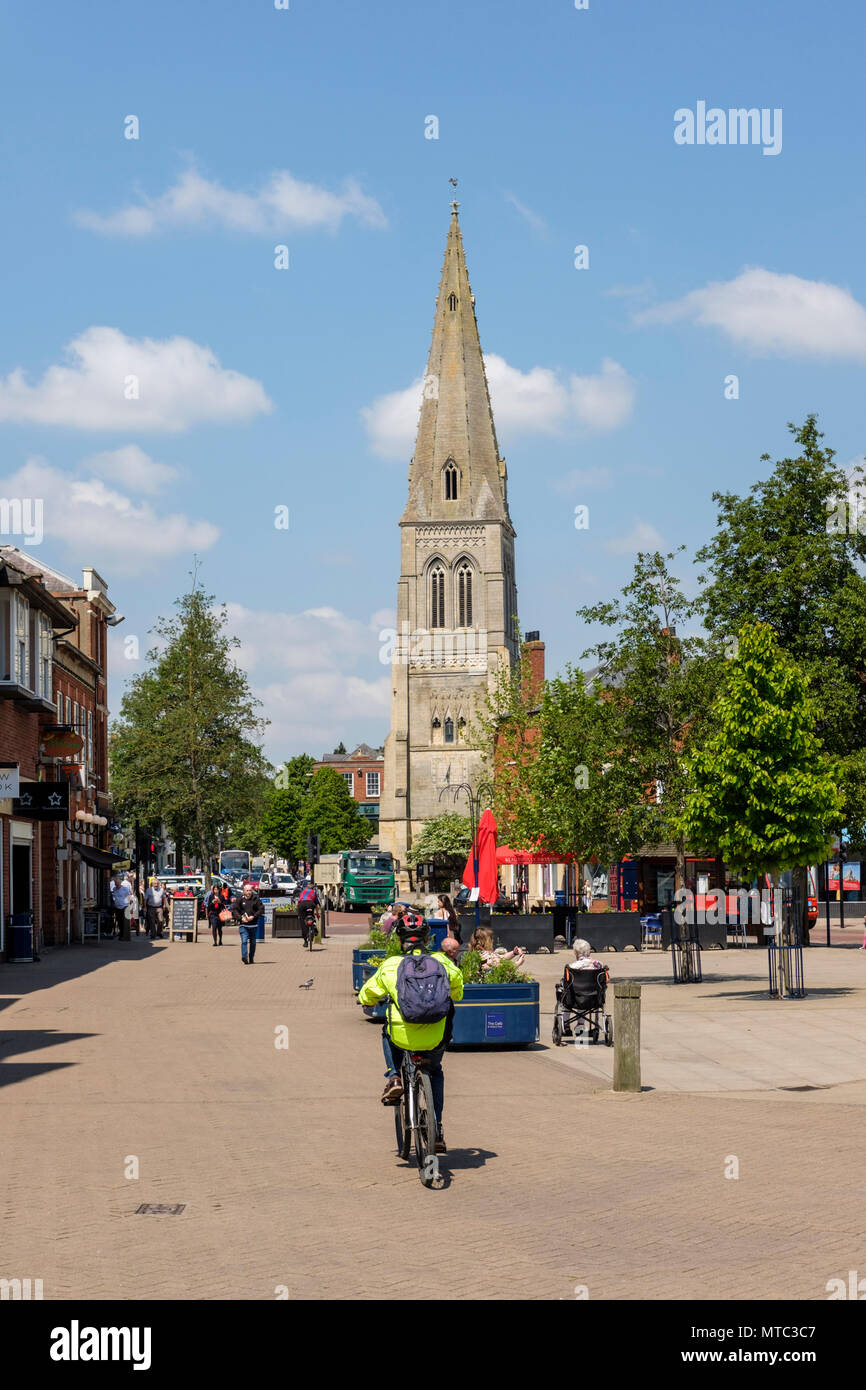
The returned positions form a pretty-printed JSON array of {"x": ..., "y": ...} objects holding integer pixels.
[{"x": 455, "y": 205}]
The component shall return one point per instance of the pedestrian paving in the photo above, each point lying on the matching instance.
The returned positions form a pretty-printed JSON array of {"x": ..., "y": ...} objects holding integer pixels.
[
  {"x": 155, "y": 1073},
  {"x": 725, "y": 1034}
]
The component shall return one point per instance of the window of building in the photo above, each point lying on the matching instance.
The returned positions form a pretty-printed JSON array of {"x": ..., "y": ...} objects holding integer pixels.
[
  {"x": 6, "y": 636},
  {"x": 46, "y": 658},
  {"x": 449, "y": 730},
  {"x": 21, "y": 640},
  {"x": 437, "y": 597},
  {"x": 372, "y": 784},
  {"x": 90, "y": 738},
  {"x": 451, "y": 481},
  {"x": 350, "y": 781},
  {"x": 452, "y": 301},
  {"x": 464, "y": 596}
]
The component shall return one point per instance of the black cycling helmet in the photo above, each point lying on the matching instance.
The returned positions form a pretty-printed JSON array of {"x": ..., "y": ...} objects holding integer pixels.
[{"x": 411, "y": 931}]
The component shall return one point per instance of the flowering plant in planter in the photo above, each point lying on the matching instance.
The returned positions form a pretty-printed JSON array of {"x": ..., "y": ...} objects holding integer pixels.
[
  {"x": 388, "y": 943},
  {"x": 505, "y": 973}
]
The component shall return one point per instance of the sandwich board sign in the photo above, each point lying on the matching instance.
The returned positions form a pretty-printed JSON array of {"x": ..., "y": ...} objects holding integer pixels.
[{"x": 184, "y": 919}]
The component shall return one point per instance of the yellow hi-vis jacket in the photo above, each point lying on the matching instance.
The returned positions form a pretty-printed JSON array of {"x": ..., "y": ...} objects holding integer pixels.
[{"x": 414, "y": 1037}]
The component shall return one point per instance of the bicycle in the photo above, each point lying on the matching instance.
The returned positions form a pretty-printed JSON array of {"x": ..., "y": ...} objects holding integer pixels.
[
  {"x": 415, "y": 1119},
  {"x": 308, "y": 927}
]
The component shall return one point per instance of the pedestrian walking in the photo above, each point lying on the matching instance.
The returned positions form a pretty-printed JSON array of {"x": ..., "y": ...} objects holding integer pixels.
[
  {"x": 121, "y": 895},
  {"x": 213, "y": 906},
  {"x": 134, "y": 903},
  {"x": 156, "y": 906},
  {"x": 246, "y": 911}
]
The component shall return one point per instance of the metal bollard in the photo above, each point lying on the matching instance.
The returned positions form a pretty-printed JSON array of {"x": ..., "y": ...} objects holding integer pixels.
[{"x": 626, "y": 1036}]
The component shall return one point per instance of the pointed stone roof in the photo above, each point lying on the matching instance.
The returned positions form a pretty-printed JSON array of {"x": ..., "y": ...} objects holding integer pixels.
[{"x": 456, "y": 421}]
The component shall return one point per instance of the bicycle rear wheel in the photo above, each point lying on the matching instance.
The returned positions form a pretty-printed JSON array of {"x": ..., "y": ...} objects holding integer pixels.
[
  {"x": 425, "y": 1123},
  {"x": 401, "y": 1125}
]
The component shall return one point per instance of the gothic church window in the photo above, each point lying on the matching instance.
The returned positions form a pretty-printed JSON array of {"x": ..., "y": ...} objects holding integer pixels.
[
  {"x": 451, "y": 480},
  {"x": 452, "y": 301},
  {"x": 437, "y": 597},
  {"x": 449, "y": 730},
  {"x": 464, "y": 596}
]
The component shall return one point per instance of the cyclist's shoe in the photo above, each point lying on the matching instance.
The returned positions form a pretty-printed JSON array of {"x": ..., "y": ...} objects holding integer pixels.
[
  {"x": 393, "y": 1091},
  {"x": 441, "y": 1146}
]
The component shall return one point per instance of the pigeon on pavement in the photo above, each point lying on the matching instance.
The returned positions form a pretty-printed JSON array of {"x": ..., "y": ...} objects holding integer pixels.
[{"x": 306, "y": 984}]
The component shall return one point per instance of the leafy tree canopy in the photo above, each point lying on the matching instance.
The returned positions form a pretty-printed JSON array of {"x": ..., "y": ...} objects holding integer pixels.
[
  {"x": 447, "y": 835},
  {"x": 185, "y": 747},
  {"x": 764, "y": 793}
]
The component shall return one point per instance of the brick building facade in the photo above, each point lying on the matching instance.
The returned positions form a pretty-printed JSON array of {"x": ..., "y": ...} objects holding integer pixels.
[
  {"x": 53, "y": 726},
  {"x": 364, "y": 771}
]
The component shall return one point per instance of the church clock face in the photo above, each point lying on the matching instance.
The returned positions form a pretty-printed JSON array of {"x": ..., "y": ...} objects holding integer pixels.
[{"x": 447, "y": 770}]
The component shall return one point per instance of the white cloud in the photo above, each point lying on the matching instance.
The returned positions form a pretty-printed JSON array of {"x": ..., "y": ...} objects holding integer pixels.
[
  {"x": 316, "y": 672},
  {"x": 179, "y": 383},
  {"x": 641, "y": 536},
  {"x": 537, "y": 223},
  {"x": 538, "y": 401},
  {"x": 282, "y": 204},
  {"x": 604, "y": 401},
  {"x": 775, "y": 314},
  {"x": 101, "y": 526},
  {"x": 132, "y": 468}
]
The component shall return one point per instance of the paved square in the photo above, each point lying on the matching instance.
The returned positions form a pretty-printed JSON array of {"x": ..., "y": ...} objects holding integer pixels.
[{"x": 161, "y": 1060}]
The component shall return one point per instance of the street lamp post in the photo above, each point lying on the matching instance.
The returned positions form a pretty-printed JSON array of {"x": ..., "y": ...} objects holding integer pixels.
[{"x": 484, "y": 789}]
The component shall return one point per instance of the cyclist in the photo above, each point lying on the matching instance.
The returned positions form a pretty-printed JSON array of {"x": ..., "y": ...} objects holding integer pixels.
[
  {"x": 308, "y": 910},
  {"x": 398, "y": 1036}
]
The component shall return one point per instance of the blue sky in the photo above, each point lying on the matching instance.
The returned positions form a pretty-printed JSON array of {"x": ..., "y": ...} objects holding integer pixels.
[{"x": 262, "y": 387}]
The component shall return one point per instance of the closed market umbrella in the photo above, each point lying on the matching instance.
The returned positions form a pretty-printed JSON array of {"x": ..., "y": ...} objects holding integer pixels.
[{"x": 481, "y": 864}]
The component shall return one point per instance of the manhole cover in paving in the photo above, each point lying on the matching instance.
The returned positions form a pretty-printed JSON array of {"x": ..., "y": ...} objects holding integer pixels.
[
  {"x": 803, "y": 1088},
  {"x": 160, "y": 1209}
]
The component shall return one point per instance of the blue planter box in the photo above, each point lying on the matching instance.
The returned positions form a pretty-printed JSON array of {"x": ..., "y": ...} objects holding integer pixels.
[
  {"x": 490, "y": 1014},
  {"x": 359, "y": 958},
  {"x": 366, "y": 972}
]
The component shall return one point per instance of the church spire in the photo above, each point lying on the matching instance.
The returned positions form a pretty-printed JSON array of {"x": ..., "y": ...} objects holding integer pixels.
[{"x": 456, "y": 473}]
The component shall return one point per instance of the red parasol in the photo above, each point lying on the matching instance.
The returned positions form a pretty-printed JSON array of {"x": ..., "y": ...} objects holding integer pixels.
[{"x": 484, "y": 846}]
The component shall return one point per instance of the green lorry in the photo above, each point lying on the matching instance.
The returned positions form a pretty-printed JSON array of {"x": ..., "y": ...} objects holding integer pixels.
[{"x": 357, "y": 879}]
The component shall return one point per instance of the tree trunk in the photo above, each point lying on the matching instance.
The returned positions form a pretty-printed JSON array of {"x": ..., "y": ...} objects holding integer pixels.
[
  {"x": 681, "y": 864},
  {"x": 782, "y": 937}
]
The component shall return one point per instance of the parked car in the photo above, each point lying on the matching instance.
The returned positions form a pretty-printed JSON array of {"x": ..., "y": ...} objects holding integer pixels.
[{"x": 277, "y": 884}]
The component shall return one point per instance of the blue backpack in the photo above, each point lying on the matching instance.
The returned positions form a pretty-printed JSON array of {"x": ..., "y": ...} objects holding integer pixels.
[{"x": 423, "y": 989}]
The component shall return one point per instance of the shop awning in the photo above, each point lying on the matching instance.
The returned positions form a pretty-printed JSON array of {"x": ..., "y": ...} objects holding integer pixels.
[
  {"x": 506, "y": 855},
  {"x": 97, "y": 858}
]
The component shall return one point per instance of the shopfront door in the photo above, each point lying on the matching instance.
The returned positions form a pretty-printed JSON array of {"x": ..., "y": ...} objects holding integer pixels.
[{"x": 21, "y": 884}]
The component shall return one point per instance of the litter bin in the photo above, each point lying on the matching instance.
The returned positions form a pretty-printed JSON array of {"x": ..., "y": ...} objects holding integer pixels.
[
  {"x": 260, "y": 928},
  {"x": 22, "y": 938},
  {"x": 438, "y": 932}
]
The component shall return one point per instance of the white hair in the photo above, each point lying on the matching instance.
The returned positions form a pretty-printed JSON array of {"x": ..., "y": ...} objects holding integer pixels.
[{"x": 581, "y": 948}]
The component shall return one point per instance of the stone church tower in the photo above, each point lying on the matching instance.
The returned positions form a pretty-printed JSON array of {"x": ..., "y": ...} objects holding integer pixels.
[{"x": 456, "y": 598}]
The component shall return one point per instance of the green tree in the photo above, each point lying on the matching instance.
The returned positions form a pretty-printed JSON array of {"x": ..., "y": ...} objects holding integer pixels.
[
  {"x": 296, "y": 772},
  {"x": 185, "y": 747},
  {"x": 789, "y": 554},
  {"x": 329, "y": 810},
  {"x": 281, "y": 823},
  {"x": 655, "y": 684},
  {"x": 447, "y": 835},
  {"x": 763, "y": 792},
  {"x": 341, "y": 747}
]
